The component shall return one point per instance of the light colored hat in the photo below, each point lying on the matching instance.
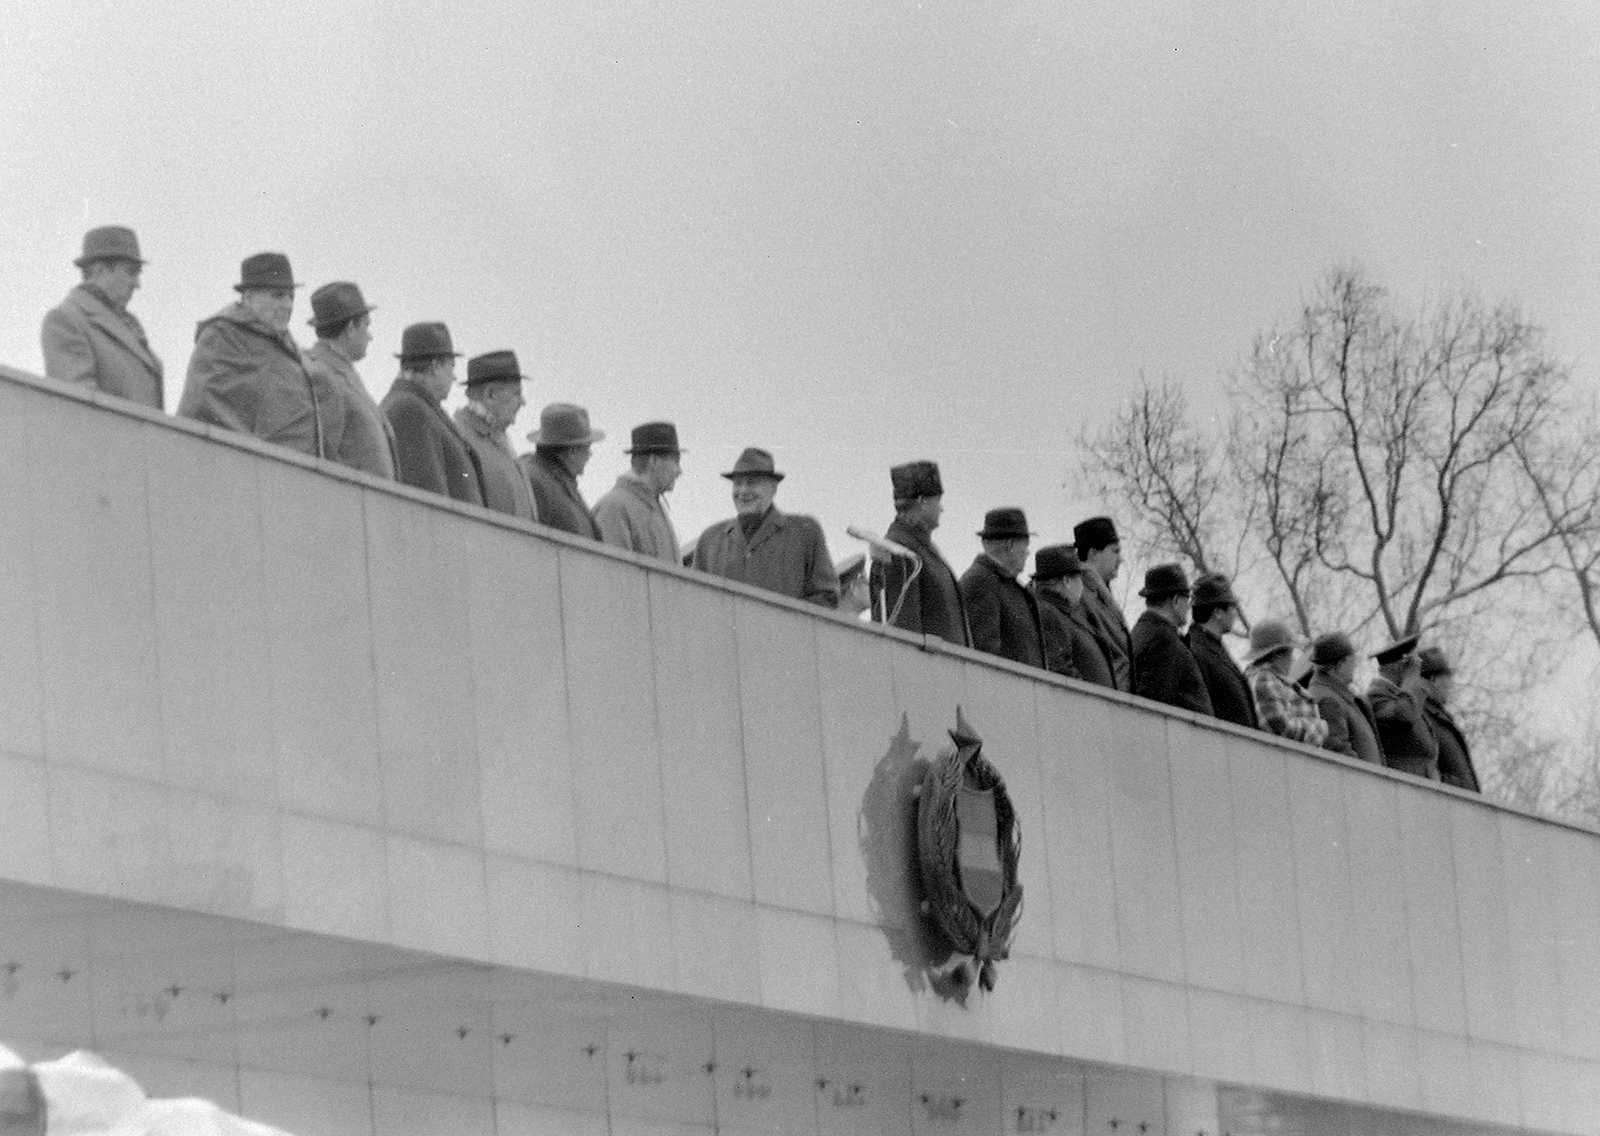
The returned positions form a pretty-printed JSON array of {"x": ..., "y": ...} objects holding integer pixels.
[
  {"x": 1268, "y": 638},
  {"x": 563, "y": 424}
]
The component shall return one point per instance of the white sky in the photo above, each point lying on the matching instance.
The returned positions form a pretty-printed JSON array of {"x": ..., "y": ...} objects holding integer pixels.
[{"x": 852, "y": 233}]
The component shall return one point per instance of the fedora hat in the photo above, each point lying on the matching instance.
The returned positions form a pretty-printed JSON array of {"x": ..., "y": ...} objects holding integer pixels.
[
  {"x": 335, "y": 303},
  {"x": 1331, "y": 648},
  {"x": 1094, "y": 534},
  {"x": 1396, "y": 651},
  {"x": 1215, "y": 589},
  {"x": 563, "y": 424},
  {"x": 654, "y": 438},
  {"x": 1055, "y": 561},
  {"x": 426, "y": 341},
  {"x": 1165, "y": 580},
  {"x": 754, "y": 462},
  {"x": 1268, "y": 638},
  {"x": 916, "y": 479},
  {"x": 265, "y": 270},
  {"x": 109, "y": 242},
  {"x": 493, "y": 367},
  {"x": 1005, "y": 523}
]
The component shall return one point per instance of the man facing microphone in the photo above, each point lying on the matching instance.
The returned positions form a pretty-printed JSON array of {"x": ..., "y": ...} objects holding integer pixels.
[{"x": 927, "y": 601}]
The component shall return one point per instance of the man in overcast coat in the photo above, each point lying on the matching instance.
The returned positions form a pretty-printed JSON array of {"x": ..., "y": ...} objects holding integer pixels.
[
  {"x": 1004, "y": 615},
  {"x": 91, "y": 338},
  {"x": 932, "y": 602},
  {"x": 1164, "y": 670},
  {"x": 763, "y": 546},
  {"x": 1215, "y": 613}
]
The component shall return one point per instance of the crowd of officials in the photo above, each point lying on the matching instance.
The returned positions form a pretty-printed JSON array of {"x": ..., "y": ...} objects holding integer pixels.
[{"x": 248, "y": 374}]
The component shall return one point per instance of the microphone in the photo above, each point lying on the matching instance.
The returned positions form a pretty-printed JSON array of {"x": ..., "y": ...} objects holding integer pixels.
[{"x": 882, "y": 548}]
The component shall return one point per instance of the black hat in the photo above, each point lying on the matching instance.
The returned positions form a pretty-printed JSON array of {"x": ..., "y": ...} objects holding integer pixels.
[
  {"x": 265, "y": 270},
  {"x": 335, "y": 303},
  {"x": 1055, "y": 561},
  {"x": 1165, "y": 580},
  {"x": 655, "y": 438},
  {"x": 1433, "y": 663},
  {"x": 493, "y": 367},
  {"x": 754, "y": 462},
  {"x": 1004, "y": 524},
  {"x": 1396, "y": 651},
  {"x": 426, "y": 341},
  {"x": 1331, "y": 649},
  {"x": 915, "y": 479},
  {"x": 109, "y": 242},
  {"x": 1214, "y": 588},
  {"x": 1094, "y": 534}
]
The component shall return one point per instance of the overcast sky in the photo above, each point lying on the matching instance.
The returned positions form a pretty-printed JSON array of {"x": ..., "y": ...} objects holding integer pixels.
[{"x": 852, "y": 233}]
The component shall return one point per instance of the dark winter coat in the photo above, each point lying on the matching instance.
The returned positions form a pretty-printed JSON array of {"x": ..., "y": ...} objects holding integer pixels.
[
  {"x": 505, "y": 485},
  {"x": 431, "y": 453},
  {"x": 1164, "y": 670},
  {"x": 1352, "y": 730},
  {"x": 1070, "y": 647},
  {"x": 1455, "y": 760},
  {"x": 365, "y": 441},
  {"x": 787, "y": 554},
  {"x": 556, "y": 496},
  {"x": 1101, "y": 608},
  {"x": 1230, "y": 695},
  {"x": 1003, "y": 615},
  {"x": 933, "y": 605},
  {"x": 1403, "y": 731}
]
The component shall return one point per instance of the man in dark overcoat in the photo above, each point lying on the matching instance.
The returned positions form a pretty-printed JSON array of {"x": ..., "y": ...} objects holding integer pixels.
[
  {"x": 1003, "y": 615},
  {"x": 1215, "y": 612},
  {"x": 561, "y": 448},
  {"x": 430, "y": 452},
  {"x": 91, "y": 338},
  {"x": 932, "y": 604},
  {"x": 1164, "y": 669},
  {"x": 1352, "y": 730},
  {"x": 341, "y": 317},
  {"x": 494, "y": 396},
  {"x": 1396, "y": 696},
  {"x": 1455, "y": 759},
  {"x": 1100, "y": 551},
  {"x": 1070, "y": 647},
  {"x": 763, "y": 546}
]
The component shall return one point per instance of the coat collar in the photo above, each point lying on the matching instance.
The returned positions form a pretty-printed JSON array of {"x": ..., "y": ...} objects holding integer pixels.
[
  {"x": 632, "y": 483},
  {"x": 122, "y": 326},
  {"x": 246, "y": 320},
  {"x": 770, "y": 524}
]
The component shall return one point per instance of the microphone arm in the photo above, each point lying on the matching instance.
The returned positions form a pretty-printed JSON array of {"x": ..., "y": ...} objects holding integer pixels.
[{"x": 884, "y": 550}]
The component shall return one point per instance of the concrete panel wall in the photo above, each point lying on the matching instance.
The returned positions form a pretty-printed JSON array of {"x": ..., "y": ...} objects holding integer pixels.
[{"x": 249, "y": 685}]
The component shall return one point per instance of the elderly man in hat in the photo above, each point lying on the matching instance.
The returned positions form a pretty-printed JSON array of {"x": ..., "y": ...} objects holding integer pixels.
[
  {"x": 1397, "y": 698},
  {"x": 91, "y": 338},
  {"x": 494, "y": 395},
  {"x": 1214, "y": 613},
  {"x": 634, "y": 514},
  {"x": 561, "y": 448},
  {"x": 1438, "y": 684},
  {"x": 341, "y": 318},
  {"x": 430, "y": 452},
  {"x": 1070, "y": 646},
  {"x": 1004, "y": 616},
  {"x": 1283, "y": 708},
  {"x": 926, "y": 600},
  {"x": 1100, "y": 551},
  {"x": 1163, "y": 668},
  {"x": 763, "y": 547},
  {"x": 247, "y": 373},
  {"x": 1352, "y": 730}
]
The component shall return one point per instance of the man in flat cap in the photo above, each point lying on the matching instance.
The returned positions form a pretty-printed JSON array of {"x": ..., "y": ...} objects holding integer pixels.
[
  {"x": 430, "y": 452},
  {"x": 247, "y": 373},
  {"x": 1163, "y": 668},
  {"x": 1438, "y": 684},
  {"x": 561, "y": 448},
  {"x": 494, "y": 395},
  {"x": 932, "y": 603},
  {"x": 1284, "y": 709},
  {"x": 634, "y": 515},
  {"x": 1100, "y": 551},
  {"x": 764, "y": 547},
  {"x": 1004, "y": 616},
  {"x": 1070, "y": 646},
  {"x": 1396, "y": 696},
  {"x": 340, "y": 317},
  {"x": 1352, "y": 730},
  {"x": 1214, "y": 613},
  {"x": 91, "y": 338}
]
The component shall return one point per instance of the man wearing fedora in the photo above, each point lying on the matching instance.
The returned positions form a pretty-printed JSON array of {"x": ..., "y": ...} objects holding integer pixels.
[
  {"x": 932, "y": 604},
  {"x": 1100, "y": 551},
  {"x": 634, "y": 515},
  {"x": 1164, "y": 670},
  {"x": 1397, "y": 698},
  {"x": 247, "y": 373},
  {"x": 1215, "y": 612},
  {"x": 763, "y": 546},
  {"x": 1004, "y": 616},
  {"x": 340, "y": 317},
  {"x": 561, "y": 448},
  {"x": 1438, "y": 684},
  {"x": 1070, "y": 647},
  {"x": 430, "y": 452},
  {"x": 1283, "y": 708},
  {"x": 91, "y": 338},
  {"x": 494, "y": 395},
  {"x": 1352, "y": 730}
]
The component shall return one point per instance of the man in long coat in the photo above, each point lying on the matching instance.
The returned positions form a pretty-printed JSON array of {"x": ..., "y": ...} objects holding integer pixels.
[
  {"x": 1396, "y": 697},
  {"x": 340, "y": 317},
  {"x": 247, "y": 374},
  {"x": 430, "y": 452},
  {"x": 494, "y": 395},
  {"x": 1215, "y": 613},
  {"x": 91, "y": 338},
  {"x": 634, "y": 515},
  {"x": 1455, "y": 759},
  {"x": 1100, "y": 550},
  {"x": 1164, "y": 670},
  {"x": 1004, "y": 616},
  {"x": 932, "y": 604},
  {"x": 1070, "y": 646},
  {"x": 763, "y": 547},
  {"x": 1352, "y": 730},
  {"x": 561, "y": 448}
]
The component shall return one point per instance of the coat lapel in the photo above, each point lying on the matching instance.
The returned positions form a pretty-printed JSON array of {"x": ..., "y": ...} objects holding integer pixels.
[
  {"x": 769, "y": 526},
  {"x": 118, "y": 328}
]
